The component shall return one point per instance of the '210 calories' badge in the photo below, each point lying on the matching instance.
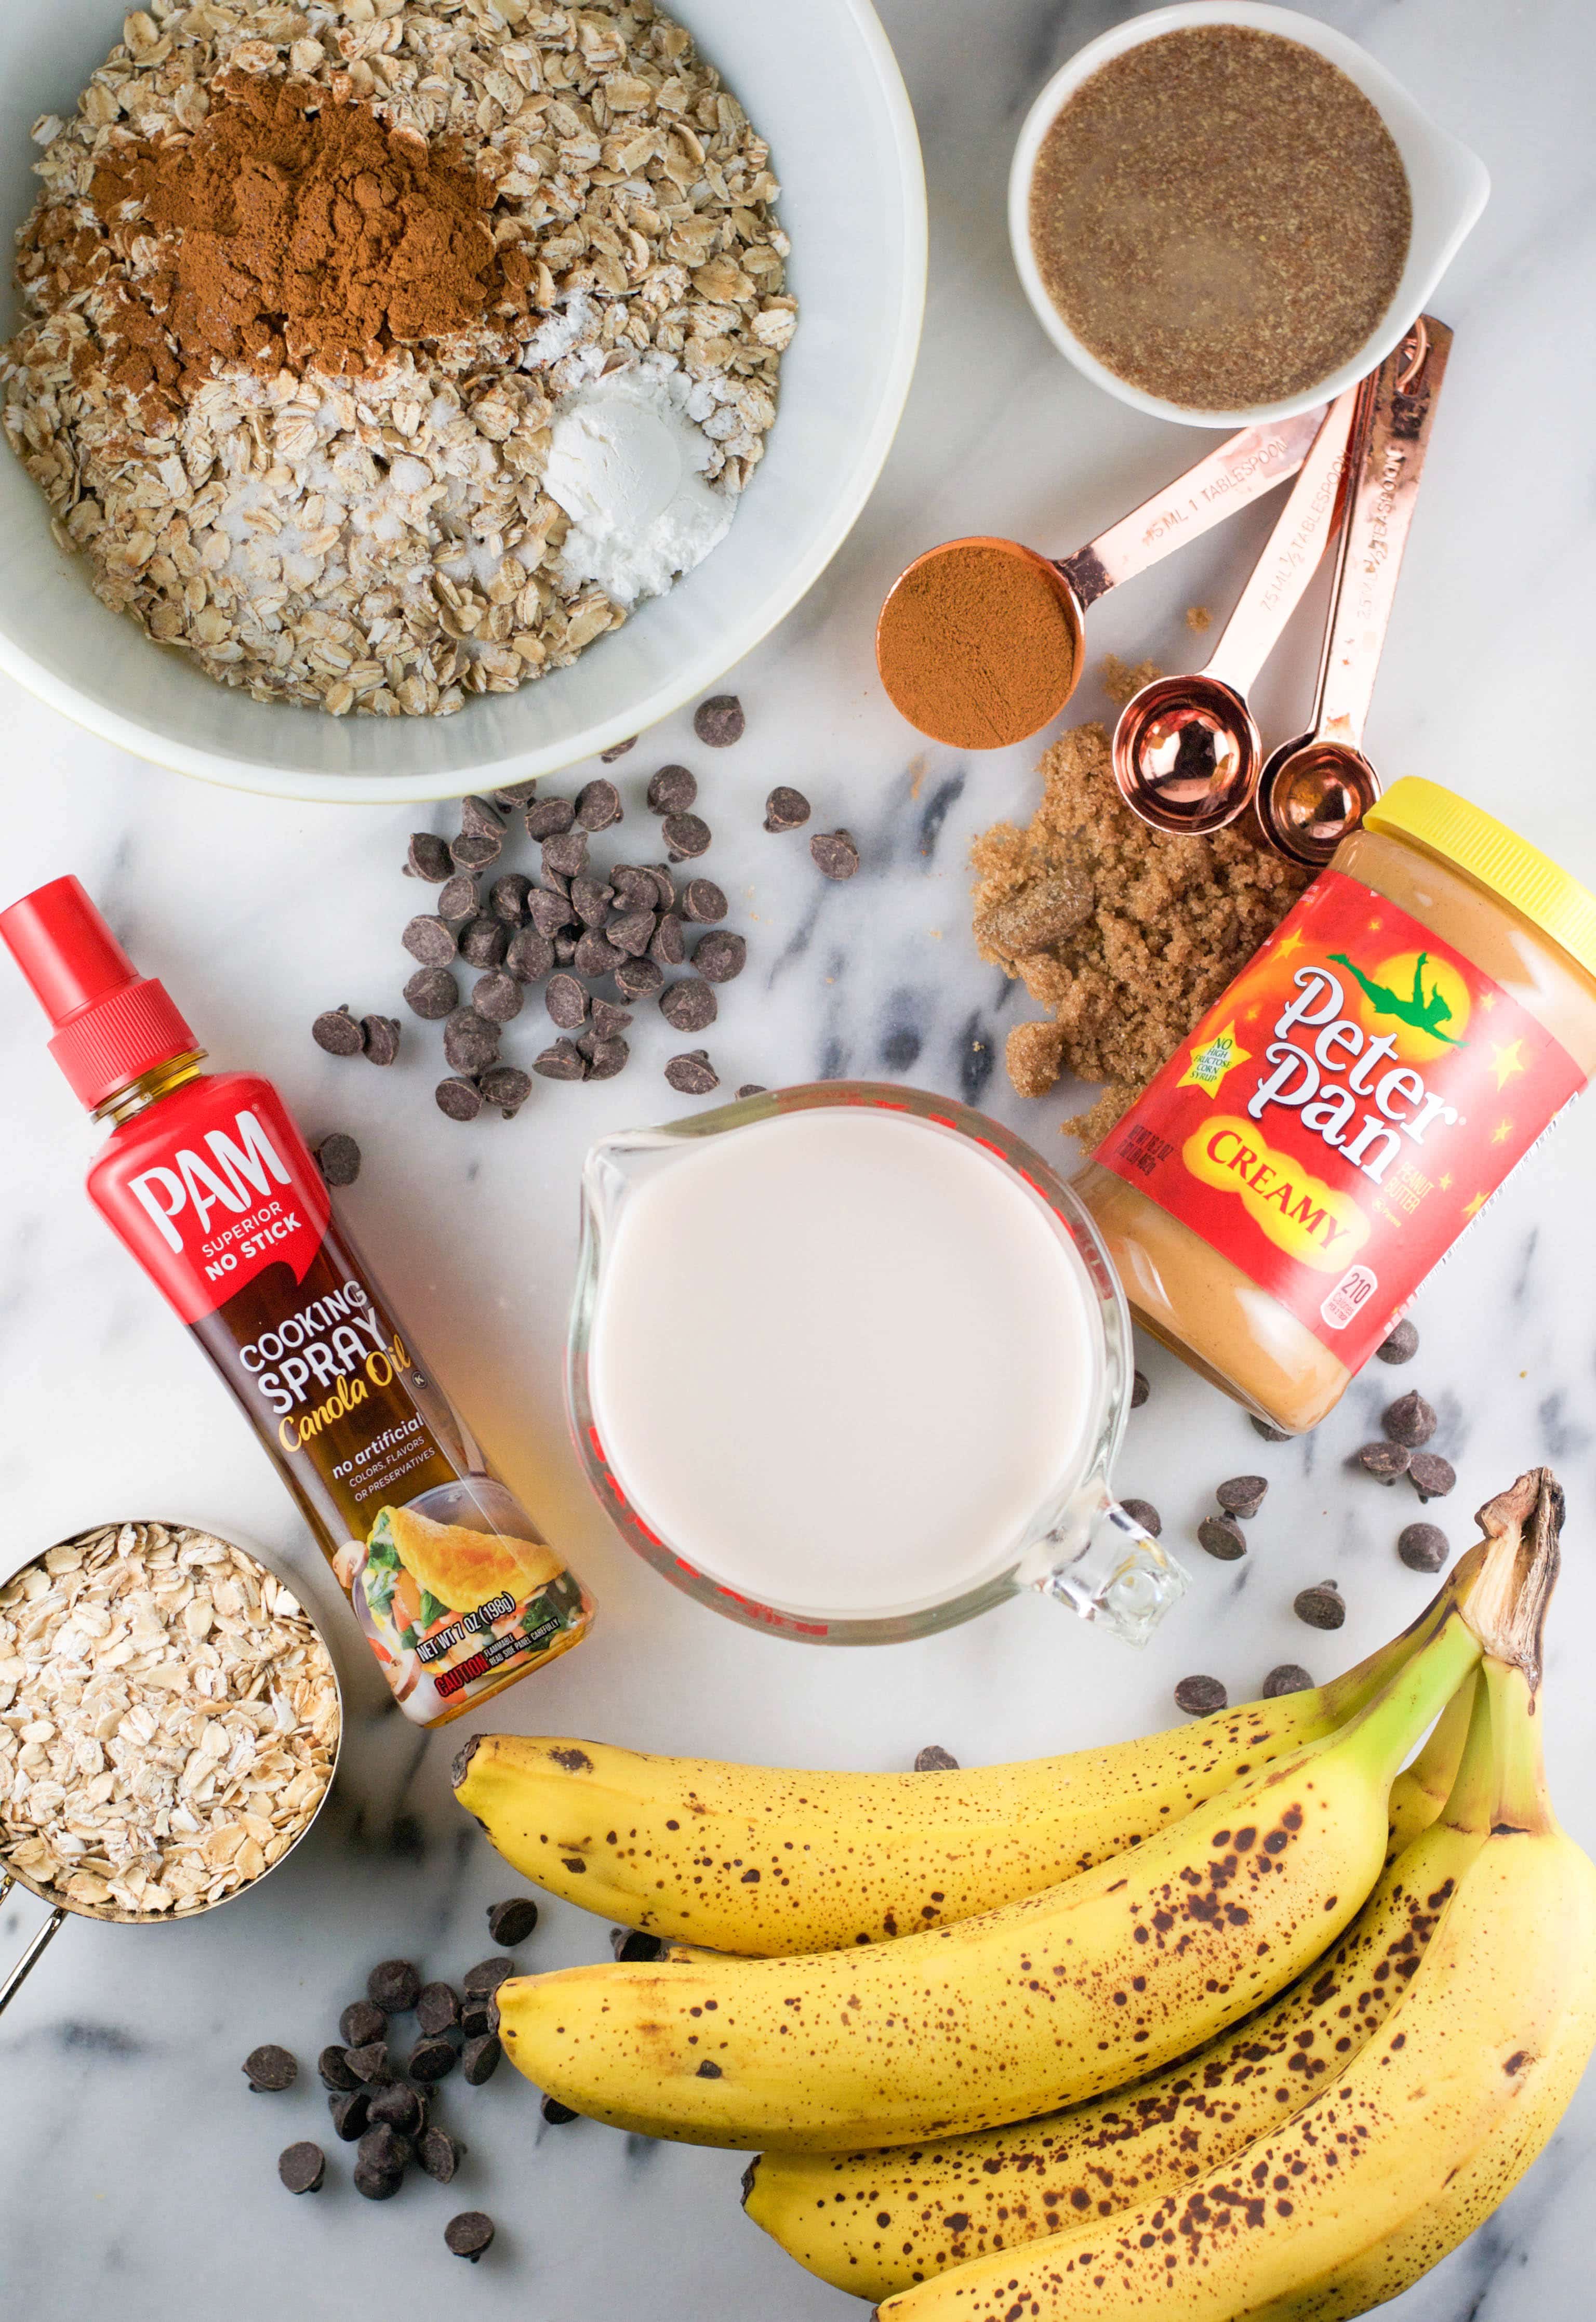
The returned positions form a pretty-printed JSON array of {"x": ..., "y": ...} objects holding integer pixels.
[{"x": 1344, "y": 1112}]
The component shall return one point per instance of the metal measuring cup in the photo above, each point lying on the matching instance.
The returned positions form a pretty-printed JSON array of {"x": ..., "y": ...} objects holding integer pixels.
[
  {"x": 1187, "y": 750},
  {"x": 1315, "y": 789},
  {"x": 1241, "y": 471},
  {"x": 61, "y": 1908}
]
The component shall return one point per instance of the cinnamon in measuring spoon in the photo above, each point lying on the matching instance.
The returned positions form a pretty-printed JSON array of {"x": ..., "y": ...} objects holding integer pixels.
[{"x": 974, "y": 645}]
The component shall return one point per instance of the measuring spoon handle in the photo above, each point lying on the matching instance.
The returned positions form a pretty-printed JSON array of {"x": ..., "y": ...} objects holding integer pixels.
[
  {"x": 1386, "y": 486},
  {"x": 1241, "y": 471},
  {"x": 1292, "y": 553}
]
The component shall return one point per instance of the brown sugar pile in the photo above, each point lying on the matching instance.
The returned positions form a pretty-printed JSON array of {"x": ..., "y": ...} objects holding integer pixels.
[{"x": 1125, "y": 934}]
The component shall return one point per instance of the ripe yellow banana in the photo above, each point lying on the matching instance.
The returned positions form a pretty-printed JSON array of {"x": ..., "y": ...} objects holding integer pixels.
[
  {"x": 1421, "y": 1790},
  {"x": 1000, "y": 2017},
  {"x": 764, "y": 1862},
  {"x": 873, "y": 2223}
]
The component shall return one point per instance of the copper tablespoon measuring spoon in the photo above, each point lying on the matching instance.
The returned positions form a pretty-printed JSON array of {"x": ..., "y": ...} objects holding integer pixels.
[
  {"x": 980, "y": 717},
  {"x": 1187, "y": 751},
  {"x": 1315, "y": 789}
]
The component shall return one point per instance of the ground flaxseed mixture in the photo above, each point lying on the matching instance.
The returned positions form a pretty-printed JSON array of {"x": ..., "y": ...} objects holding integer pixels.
[{"x": 1124, "y": 933}]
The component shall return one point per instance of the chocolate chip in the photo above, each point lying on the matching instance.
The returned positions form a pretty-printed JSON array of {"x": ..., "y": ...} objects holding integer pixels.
[
  {"x": 672, "y": 790},
  {"x": 1270, "y": 1434},
  {"x": 566, "y": 1001},
  {"x": 595, "y": 955},
  {"x": 393, "y": 1986},
  {"x": 497, "y": 996},
  {"x": 474, "y": 851},
  {"x": 548, "y": 912},
  {"x": 334, "y": 2071},
  {"x": 632, "y": 932},
  {"x": 469, "y": 2234},
  {"x": 428, "y": 857},
  {"x": 1402, "y": 1345},
  {"x": 608, "y": 1020},
  {"x": 361, "y": 2022},
  {"x": 511, "y": 1922},
  {"x": 470, "y": 1043},
  {"x": 528, "y": 957},
  {"x": 506, "y": 1086},
  {"x": 617, "y": 750},
  {"x": 439, "y": 2153},
  {"x": 1409, "y": 1419},
  {"x": 458, "y": 898},
  {"x": 1241, "y": 1495},
  {"x": 1431, "y": 1476},
  {"x": 479, "y": 819},
  {"x": 1200, "y": 1696},
  {"x": 506, "y": 898},
  {"x": 934, "y": 1760},
  {"x": 338, "y": 1157},
  {"x": 606, "y": 1058},
  {"x": 558, "y": 2114},
  {"x": 590, "y": 899},
  {"x": 561, "y": 1062},
  {"x": 384, "y": 2148},
  {"x": 381, "y": 1036},
  {"x": 1289, "y": 1676},
  {"x": 478, "y": 2017},
  {"x": 349, "y": 2113},
  {"x": 338, "y": 1033},
  {"x": 598, "y": 805},
  {"x": 1423, "y": 1546},
  {"x": 511, "y": 797},
  {"x": 692, "y": 1074},
  {"x": 486, "y": 1976},
  {"x": 688, "y": 1006},
  {"x": 302, "y": 2167},
  {"x": 271, "y": 2070},
  {"x": 1321, "y": 1607},
  {"x": 1222, "y": 1537},
  {"x": 664, "y": 885},
  {"x": 720, "y": 956},
  {"x": 719, "y": 721},
  {"x": 1139, "y": 1389},
  {"x": 398, "y": 2107},
  {"x": 703, "y": 902},
  {"x": 786, "y": 810},
  {"x": 368, "y": 2062},
  {"x": 640, "y": 978},
  {"x": 437, "y": 2008},
  {"x": 633, "y": 888},
  {"x": 631, "y": 1944},
  {"x": 432, "y": 994},
  {"x": 431, "y": 2060},
  {"x": 686, "y": 837},
  {"x": 484, "y": 942},
  {"x": 478, "y": 2059},
  {"x": 550, "y": 818},
  {"x": 1143, "y": 1512},
  {"x": 376, "y": 2184},
  {"x": 752, "y": 1088},
  {"x": 835, "y": 854},
  {"x": 1384, "y": 1461},
  {"x": 567, "y": 855},
  {"x": 427, "y": 939},
  {"x": 458, "y": 1099},
  {"x": 666, "y": 945}
]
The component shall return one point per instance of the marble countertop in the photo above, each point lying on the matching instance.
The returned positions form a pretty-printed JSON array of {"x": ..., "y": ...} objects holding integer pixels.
[{"x": 136, "y": 2173}]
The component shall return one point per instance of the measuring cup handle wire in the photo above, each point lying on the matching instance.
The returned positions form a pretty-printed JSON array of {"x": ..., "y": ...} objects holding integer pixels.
[{"x": 19, "y": 1974}]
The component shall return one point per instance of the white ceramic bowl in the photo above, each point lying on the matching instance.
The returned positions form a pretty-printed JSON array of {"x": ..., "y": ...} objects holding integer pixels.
[
  {"x": 1449, "y": 187},
  {"x": 827, "y": 93}
]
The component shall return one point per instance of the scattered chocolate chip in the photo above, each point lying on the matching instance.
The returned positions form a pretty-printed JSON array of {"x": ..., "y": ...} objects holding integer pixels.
[
  {"x": 511, "y": 797},
  {"x": 381, "y": 1037},
  {"x": 550, "y": 818},
  {"x": 639, "y": 979},
  {"x": 393, "y": 1986},
  {"x": 376, "y": 2184},
  {"x": 1143, "y": 1512},
  {"x": 1402, "y": 1345},
  {"x": 1289, "y": 1676},
  {"x": 1241, "y": 1495},
  {"x": 429, "y": 940},
  {"x": 595, "y": 955},
  {"x": 720, "y": 955},
  {"x": 478, "y": 2017},
  {"x": 631, "y": 1944},
  {"x": 590, "y": 899},
  {"x": 506, "y": 898},
  {"x": 692, "y": 1074},
  {"x": 437, "y": 2008},
  {"x": 672, "y": 790},
  {"x": 934, "y": 1760},
  {"x": 703, "y": 902},
  {"x": 1222, "y": 1537},
  {"x": 1384, "y": 1461},
  {"x": 349, "y": 2111},
  {"x": 497, "y": 995},
  {"x": 719, "y": 721},
  {"x": 617, "y": 750},
  {"x": 686, "y": 837},
  {"x": 835, "y": 854},
  {"x": 1431, "y": 1476},
  {"x": 334, "y": 2071},
  {"x": 608, "y": 1020},
  {"x": 1139, "y": 1389},
  {"x": 567, "y": 855},
  {"x": 786, "y": 810},
  {"x": 368, "y": 2062},
  {"x": 458, "y": 1099},
  {"x": 338, "y": 1033},
  {"x": 528, "y": 957},
  {"x": 271, "y": 2070},
  {"x": 474, "y": 851},
  {"x": 558, "y": 2114},
  {"x": 548, "y": 912},
  {"x": 360, "y": 2023},
  {"x": 478, "y": 2059},
  {"x": 566, "y": 1001},
  {"x": 383, "y": 2148},
  {"x": 688, "y": 1006},
  {"x": 469, "y": 2234},
  {"x": 398, "y": 2107},
  {"x": 598, "y": 805},
  {"x": 457, "y": 900},
  {"x": 506, "y": 1086},
  {"x": 428, "y": 857},
  {"x": 511, "y": 1922},
  {"x": 479, "y": 1981},
  {"x": 666, "y": 945},
  {"x": 1423, "y": 1546},
  {"x": 632, "y": 888},
  {"x": 431, "y": 2060},
  {"x": 484, "y": 942},
  {"x": 439, "y": 2154},
  {"x": 753, "y": 1088},
  {"x": 338, "y": 1157},
  {"x": 432, "y": 994},
  {"x": 606, "y": 1058},
  {"x": 1409, "y": 1419},
  {"x": 633, "y": 932},
  {"x": 664, "y": 885},
  {"x": 1322, "y": 1607},
  {"x": 1199, "y": 1696},
  {"x": 479, "y": 819},
  {"x": 302, "y": 2167},
  {"x": 561, "y": 1062},
  {"x": 470, "y": 1043},
  {"x": 1270, "y": 1434}
]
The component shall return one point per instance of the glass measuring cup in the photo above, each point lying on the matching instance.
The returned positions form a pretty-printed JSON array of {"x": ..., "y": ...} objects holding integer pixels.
[
  {"x": 1076, "y": 1544},
  {"x": 1241, "y": 471}
]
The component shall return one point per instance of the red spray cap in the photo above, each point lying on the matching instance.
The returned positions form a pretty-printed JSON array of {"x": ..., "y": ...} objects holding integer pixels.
[{"x": 111, "y": 1023}]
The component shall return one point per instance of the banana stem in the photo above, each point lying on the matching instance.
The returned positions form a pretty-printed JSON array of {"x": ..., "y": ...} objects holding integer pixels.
[
  {"x": 1520, "y": 1801},
  {"x": 1344, "y": 1695},
  {"x": 1387, "y": 1730},
  {"x": 1471, "y": 1800}
]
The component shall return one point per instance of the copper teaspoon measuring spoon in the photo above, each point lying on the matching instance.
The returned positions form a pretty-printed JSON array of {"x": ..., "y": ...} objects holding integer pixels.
[
  {"x": 1315, "y": 789},
  {"x": 1187, "y": 751}
]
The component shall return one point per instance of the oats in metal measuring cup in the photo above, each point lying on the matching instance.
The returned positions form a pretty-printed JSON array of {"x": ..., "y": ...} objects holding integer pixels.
[{"x": 169, "y": 1720}]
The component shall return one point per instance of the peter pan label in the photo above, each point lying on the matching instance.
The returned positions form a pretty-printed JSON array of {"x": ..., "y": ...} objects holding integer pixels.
[{"x": 1344, "y": 1112}]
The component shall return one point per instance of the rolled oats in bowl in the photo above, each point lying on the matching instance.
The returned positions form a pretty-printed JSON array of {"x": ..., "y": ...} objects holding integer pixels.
[
  {"x": 376, "y": 354},
  {"x": 169, "y": 1720}
]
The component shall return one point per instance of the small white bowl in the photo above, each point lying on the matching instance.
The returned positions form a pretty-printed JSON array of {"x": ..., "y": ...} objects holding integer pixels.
[
  {"x": 829, "y": 97},
  {"x": 1449, "y": 187}
]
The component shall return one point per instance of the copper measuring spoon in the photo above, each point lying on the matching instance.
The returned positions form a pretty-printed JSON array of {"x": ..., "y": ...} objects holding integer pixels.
[
  {"x": 1315, "y": 789},
  {"x": 1241, "y": 471},
  {"x": 1187, "y": 751}
]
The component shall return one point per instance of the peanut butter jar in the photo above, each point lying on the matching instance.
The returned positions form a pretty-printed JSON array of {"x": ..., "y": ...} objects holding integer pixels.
[{"x": 1351, "y": 1103}]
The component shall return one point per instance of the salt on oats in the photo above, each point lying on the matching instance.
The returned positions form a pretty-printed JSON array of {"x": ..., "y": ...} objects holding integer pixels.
[
  {"x": 169, "y": 1720},
  {"x": 385, "y": 545}
]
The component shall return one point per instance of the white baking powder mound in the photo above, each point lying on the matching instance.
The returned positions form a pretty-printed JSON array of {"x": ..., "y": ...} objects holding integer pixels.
[{"x": 626, "y": 463}]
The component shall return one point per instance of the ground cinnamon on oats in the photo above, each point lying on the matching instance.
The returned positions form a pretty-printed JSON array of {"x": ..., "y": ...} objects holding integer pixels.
[{"x": 1124, "y": 933}]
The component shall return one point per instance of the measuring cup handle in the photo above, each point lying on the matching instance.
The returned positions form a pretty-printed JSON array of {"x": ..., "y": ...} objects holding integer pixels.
[
  {"x": 1291, "y": 554},
  {"x": 1241, "y": 470},
  {"x": 25, "y": 1965},
  {"x": 1120, "y": 1578}
]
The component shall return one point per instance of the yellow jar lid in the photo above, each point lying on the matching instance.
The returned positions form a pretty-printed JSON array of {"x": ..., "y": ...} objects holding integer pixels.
[{"x": 1463, "y": 834}]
